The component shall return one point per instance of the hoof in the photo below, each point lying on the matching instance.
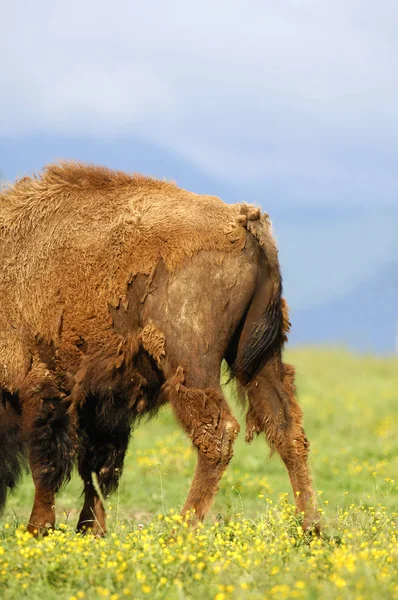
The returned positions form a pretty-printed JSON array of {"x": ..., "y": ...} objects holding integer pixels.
[
  {"x": 312, "y": 525},
  {"x": 92, "y": 528},
  {"x": 39, "y": 531}
]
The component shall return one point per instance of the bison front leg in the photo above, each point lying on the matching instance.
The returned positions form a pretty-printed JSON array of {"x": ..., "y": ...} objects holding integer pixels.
[
  {"x": 205, "y": 416},
  {"x": 274, "y": 410},
  {"x": 101, "y": 455},
  {"x": 49, "y": 431},
  {"x": 42, "y": 517},
  {"x": 92, "y": 517}
]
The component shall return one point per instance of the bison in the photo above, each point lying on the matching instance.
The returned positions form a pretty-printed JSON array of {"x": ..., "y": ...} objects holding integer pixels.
[{"x": 118, "y": 294}]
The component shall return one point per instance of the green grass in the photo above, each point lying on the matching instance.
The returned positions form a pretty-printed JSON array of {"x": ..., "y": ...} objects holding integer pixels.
[{"x": 251, "y": 545}]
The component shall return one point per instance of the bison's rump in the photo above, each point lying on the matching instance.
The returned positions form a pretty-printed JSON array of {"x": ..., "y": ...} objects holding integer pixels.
[{"x": 72, "y": 240}]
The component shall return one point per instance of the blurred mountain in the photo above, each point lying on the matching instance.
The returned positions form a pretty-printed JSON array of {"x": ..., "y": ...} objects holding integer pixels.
[
  {"x": 366, "y": 319},
  {"x": 23, "y": 156},
  {"x": 338, "y": 259}
]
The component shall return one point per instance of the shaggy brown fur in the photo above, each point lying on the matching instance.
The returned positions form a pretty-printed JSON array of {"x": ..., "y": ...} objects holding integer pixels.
[{"x": 119, "y": 293}]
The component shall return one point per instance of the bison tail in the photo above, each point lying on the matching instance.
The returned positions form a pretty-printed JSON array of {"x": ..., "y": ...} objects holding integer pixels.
[
  {"x": 12, "y": 455},
  {"x": 270, "y": 323}
]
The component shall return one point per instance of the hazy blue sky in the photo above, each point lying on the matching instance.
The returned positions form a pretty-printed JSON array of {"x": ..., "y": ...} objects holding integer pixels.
[
  {"x": 292, "y": 104},
  {"x": 248, "y": 90}
]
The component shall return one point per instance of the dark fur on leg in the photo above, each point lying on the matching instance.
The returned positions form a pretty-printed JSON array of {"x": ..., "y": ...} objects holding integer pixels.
[
  {"x": 104, "y": 456},
  {"x": 12, "y": 452},
  {"x": 102, "y": 450},
  {"x": 51, "y": 436},
  {"x": 104, "y": 442}
]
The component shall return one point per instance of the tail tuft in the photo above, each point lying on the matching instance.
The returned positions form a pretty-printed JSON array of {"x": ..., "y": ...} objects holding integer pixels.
[
  {"x": 269, "y": 332},
  {"x": 265, "y": 341}
]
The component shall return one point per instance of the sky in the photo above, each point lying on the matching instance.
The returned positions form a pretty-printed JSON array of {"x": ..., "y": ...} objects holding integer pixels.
[
  {"x": 304, "y": 91},
  {"x": 292, "y": 104}
]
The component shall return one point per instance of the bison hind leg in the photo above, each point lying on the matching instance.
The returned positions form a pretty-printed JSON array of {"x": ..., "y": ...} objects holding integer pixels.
[
  {"x": 274, "y": 410},
  {"x": 205, "y": 416}
]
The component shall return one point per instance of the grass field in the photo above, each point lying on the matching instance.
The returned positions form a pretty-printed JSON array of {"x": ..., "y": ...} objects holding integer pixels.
[{"x": 251, "y": 545}]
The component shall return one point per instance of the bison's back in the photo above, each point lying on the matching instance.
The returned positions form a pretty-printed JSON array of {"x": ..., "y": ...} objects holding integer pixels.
[{"x": 72, "y": 240}]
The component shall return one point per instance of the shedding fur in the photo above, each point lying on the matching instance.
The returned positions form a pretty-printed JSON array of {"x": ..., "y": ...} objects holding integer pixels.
[{"x": 154, "y": 342}]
